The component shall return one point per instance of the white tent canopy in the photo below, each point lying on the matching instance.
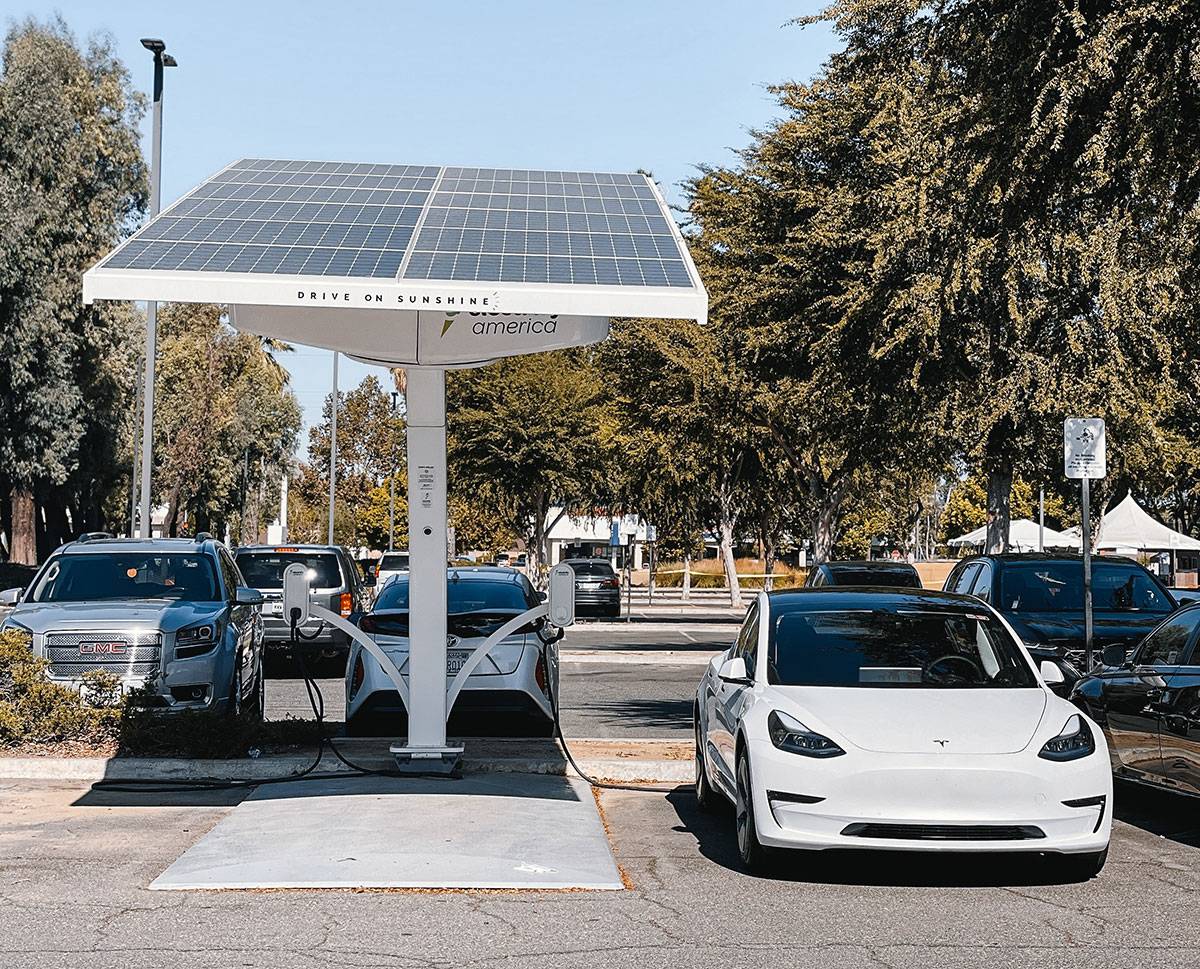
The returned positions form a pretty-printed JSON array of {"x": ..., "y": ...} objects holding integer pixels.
[
  {"x": 1022, "y": 537},
  {"x": 1129, "y": 528}
]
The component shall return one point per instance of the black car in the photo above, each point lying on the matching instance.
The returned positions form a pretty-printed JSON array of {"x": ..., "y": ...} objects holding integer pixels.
[
  {"x": 1149, "y": 705},
  {"x": 597, "y": 587},
  {"x": 883, "y": 573},
  {"x": 1041, "y": 596}
]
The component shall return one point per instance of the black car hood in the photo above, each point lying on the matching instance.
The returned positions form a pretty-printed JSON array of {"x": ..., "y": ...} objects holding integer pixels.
[{"x": 1065, "y": 629}]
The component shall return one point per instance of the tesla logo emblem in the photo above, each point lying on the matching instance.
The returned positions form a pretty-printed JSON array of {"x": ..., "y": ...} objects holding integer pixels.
[
  {"x": 452, "y": 641},
  {"x": 942, "y": 742},
  {"x": 102, "y": 648}
]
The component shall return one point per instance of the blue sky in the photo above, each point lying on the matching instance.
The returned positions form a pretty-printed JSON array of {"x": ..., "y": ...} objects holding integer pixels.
[{"x": 662, "y": 85}]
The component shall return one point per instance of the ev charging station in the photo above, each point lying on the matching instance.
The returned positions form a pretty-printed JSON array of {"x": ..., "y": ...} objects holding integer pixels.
[{"x": 426, "y": 268}]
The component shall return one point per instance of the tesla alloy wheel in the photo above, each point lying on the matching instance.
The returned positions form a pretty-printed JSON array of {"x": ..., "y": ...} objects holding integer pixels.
[{"x": 754, "y": 856}]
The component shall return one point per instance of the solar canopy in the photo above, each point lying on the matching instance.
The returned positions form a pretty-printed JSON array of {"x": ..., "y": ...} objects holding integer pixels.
[{"x": 409, "y": 236}]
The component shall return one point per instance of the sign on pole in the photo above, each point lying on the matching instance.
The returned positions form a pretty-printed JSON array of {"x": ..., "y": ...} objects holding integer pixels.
[
  {"x": 1085, "y": 452},
  {"x": 1085, "y": 457}
]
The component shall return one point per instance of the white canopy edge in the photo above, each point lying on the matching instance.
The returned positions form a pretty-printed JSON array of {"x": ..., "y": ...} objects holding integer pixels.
[{"x": 177, "y": 286}]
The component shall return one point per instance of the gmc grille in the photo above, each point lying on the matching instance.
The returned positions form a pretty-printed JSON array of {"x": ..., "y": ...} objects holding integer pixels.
[{"x": 141, "y": 656}]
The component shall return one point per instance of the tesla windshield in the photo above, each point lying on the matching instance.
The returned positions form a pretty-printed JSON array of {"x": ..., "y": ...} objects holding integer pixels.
[
  {"x": 96, "y": 576},
  {"x": 1058, "y": 587},
  {"x": 893, "y": 648}
]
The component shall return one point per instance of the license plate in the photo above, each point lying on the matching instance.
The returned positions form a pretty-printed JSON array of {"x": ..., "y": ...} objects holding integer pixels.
[
  {"x": 456, "y": 659},
  {"x": 273, "y": 609}
]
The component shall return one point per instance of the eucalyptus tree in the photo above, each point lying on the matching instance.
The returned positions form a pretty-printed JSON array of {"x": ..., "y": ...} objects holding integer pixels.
[{"x": 72, "y": 181}]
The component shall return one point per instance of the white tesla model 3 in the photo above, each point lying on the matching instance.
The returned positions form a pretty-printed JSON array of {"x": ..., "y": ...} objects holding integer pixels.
[{"x": 897, "y": 719}]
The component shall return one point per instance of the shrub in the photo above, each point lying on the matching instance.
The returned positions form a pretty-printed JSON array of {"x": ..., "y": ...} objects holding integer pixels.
[
  {"x": 35, "y": 710},
  {"x": 710, "y": 574}
]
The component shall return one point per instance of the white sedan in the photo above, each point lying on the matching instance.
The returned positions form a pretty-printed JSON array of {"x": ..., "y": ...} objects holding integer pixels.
[{"x": 897, "y": 719}]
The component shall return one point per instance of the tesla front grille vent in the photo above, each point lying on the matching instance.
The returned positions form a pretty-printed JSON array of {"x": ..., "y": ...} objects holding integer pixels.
[{"x": 945, "y": 832}]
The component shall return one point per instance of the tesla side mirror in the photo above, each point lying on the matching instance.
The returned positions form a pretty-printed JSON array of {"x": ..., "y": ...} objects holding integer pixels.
[
  {"x": 9, "y": 597},
  {"x": 734, "y": 671},
  {"x": 1113, "y": 655},
  {"x": 1051, "y": 674},
  {"x": 243, "y": 596}
]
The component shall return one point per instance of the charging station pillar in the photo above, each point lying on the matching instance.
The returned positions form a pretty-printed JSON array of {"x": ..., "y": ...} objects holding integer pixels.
[{"x": 426, "y": 436}]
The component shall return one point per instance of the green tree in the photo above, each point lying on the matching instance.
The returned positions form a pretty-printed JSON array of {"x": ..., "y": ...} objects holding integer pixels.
[
  {"x": 72, "y": 182},
  {"x": 226, "y": 423},
  {"x": 526, "y": 434}
]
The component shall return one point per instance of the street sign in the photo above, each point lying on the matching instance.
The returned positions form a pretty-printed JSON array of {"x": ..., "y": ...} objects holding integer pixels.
[{"x": 1084, "y": 448}]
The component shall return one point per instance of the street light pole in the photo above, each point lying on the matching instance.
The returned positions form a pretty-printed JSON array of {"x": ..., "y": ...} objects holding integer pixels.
[
  {"x": 333, "y": 411},
  {"x": 161, "y": 60},
  {"x": 392, "y": 489}
]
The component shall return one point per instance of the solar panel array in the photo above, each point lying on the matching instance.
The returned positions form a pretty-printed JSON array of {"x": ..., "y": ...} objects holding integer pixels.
[{"x": 358, "y": 220}]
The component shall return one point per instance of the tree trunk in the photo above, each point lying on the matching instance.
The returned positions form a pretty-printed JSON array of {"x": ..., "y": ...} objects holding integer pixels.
[
  {"x": 171, "y": 525},
  {"x": 24, "y": 530},
  {"x": 823, "y": 533},
  {"x": 726, "y": 531},
  {"x": 769, "y": 562},
  {"x": 687, "y": 578},
  {"x": 999, "y": 510}
]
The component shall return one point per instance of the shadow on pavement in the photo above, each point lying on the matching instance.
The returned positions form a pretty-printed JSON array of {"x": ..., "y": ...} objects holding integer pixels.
[
  {"x": 714, "y": 833},
  {"x": 633, "y": 713},
  {"x": 1164, "y": 813}
]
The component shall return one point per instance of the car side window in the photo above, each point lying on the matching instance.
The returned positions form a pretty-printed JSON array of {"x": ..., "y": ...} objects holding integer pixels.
[
  {"x": 967, "y": 579},
  {"x": 817, "y": 578},
  {"x": 747, "y": 644},
  {"x": 229, "y": 573},
  {"x": 983, "y": 582},
  {"x": 1168, "y": 644}
]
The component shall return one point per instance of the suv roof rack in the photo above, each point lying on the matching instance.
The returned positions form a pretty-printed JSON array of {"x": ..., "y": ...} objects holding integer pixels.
[{"x": 93, "y": 536}]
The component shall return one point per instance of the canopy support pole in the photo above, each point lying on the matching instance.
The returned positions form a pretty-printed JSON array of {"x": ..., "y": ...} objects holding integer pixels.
[{"x": 426, "y": 748}]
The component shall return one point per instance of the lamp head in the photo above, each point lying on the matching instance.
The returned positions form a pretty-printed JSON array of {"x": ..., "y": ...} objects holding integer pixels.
[
  {"x": 169, "y": 61},
  {"x": 154, "y": 45}
]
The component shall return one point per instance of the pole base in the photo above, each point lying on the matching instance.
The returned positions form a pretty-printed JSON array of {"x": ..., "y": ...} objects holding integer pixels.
[{"x": 427, "y": 760}]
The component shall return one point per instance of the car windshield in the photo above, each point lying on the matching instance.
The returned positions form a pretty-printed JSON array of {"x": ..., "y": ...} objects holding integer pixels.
[
  {"x": 886, "y": 578},
  {"x": 592, "y": 568},
  {"x": 393, "y": 561},
  {"x": 464, "y": 595},
  {"x": 1058, "y": 587},
  {"x": 97, "y": 576},
  {"x": 896, "y": 648},
  {"x": 264, "y": 570}
]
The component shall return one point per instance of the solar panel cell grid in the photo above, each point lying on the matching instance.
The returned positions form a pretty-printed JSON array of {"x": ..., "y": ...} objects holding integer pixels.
[{"x": 358, "y": 220}]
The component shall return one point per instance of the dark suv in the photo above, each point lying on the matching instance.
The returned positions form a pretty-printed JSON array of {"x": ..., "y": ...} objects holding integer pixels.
[
  {"x": 1041, "y": 596},
  {"x": 597, "y": 586},
  {"x": 880, "y": 573},
  {"x": 336, "y": 582}
]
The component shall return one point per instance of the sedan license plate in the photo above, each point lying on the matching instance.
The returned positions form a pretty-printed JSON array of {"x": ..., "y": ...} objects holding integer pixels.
[
  {"x": 273, "y": 609},
  {"x": 456, "y": 659}
]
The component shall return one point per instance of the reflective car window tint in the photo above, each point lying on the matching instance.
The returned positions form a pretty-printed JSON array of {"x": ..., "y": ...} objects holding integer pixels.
[
  {"x": 95, "y": 576},
  {"x": 1166, "y": 646},
  {"x": 894, "y": 648},
  {"x": 1058, "y": 587},
  {"x": 465, "y": 595},
  {"x": 264, "y": 570}
]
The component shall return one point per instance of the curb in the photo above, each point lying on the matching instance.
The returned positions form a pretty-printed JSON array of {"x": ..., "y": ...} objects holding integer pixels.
[{"x": 92, "y": 769}]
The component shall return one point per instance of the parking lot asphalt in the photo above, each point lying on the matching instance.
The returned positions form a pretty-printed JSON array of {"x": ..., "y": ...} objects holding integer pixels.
[
  {"x": 618, "y": 679},
  {"x": 74, "y": 866}
]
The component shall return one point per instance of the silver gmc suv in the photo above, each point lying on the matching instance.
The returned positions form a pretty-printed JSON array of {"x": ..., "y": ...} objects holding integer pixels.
[{"x": 173, "y": 613}]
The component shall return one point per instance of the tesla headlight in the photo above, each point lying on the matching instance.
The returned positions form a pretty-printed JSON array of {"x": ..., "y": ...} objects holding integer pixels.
[
  {"x": 196, "y": 640},
  {"x": 788, "y": 733},
  {"x": 1073, "y": 742}
]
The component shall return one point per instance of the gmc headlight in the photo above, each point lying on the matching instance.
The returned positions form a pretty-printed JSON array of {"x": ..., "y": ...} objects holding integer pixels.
[
  {"x": 196, "y": 640},
  {"x": 1073, "y": 742},
  {"x": 788, "y": 733}
]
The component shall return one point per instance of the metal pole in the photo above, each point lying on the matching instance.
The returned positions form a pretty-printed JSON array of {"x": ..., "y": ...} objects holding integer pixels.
[
  {"x": 1041, "y": 518},
  {"x": 392, "y": 486},
  {"x": 147, "y": 529},
  {"x": 426, "y": 430},
  {"x": 1087, "y": 576},
  {"x": 333, "y": 410},
  {"x": 133, "y": 472}
]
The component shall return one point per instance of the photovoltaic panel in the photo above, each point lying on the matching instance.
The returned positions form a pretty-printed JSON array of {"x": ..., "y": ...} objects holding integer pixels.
[{"x": 332, "y": 219}]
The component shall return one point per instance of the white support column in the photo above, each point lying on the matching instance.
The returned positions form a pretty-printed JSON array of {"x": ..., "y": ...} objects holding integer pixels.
[{"x": 427, "y": 571}]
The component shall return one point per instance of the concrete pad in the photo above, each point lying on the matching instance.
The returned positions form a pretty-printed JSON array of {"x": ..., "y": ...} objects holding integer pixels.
[{"x": 483, "y": 831}]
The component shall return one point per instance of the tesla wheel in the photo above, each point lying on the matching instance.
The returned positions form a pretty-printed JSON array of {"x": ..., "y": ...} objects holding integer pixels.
[
  {"x": 706, "y": 797},
  {"x": 754, "y": 856},
  {"x": 1081, "y": 868}
]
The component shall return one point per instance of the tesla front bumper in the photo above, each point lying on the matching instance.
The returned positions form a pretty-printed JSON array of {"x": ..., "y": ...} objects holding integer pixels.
[{"x": 932, "y": 802}]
